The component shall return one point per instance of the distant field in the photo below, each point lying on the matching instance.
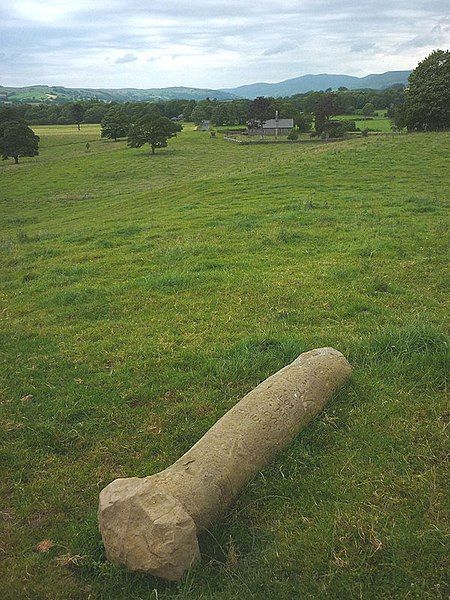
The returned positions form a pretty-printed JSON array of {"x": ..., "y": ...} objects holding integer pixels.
[
  {"x": 141, "y": 297},
  {"x": 37, "y": 93},
  {"x": 69, "y": 133},
  {"x": 375, "y": 123}
]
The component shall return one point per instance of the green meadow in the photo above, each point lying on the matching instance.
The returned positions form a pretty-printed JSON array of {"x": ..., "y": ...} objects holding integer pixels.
[
  {"x": 379, "y": 122},
  {"x": 142, "y": 296}
]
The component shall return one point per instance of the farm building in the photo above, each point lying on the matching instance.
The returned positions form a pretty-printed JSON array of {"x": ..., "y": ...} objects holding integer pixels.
[
  {"x": 204, "y": 126},
  {"x": 275, "y": 127}
]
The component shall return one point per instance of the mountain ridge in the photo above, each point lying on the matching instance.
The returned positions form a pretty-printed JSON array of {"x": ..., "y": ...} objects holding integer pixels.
[
  {"x": 288, "y": 87},
  {"x": 320, "y": 82}
]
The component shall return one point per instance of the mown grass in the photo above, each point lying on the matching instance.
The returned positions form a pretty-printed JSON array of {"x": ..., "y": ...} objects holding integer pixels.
[{"x": 143, "y": 296}]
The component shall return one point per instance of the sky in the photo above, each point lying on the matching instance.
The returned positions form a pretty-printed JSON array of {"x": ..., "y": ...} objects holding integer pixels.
[{"x": 211, "y": 43}]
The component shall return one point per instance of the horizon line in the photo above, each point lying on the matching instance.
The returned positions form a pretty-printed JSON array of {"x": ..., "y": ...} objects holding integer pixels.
[{"x": 204, "y": 88}]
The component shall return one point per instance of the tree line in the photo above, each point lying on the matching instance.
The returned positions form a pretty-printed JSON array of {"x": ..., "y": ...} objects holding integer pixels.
[{"x": 228, "y": 112}]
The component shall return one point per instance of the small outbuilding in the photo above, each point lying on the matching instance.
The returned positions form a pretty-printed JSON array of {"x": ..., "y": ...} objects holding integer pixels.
[{"x": 204, "y": 126}]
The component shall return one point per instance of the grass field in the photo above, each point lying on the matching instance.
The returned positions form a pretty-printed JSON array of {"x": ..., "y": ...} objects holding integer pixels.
[
  {"x": 377, "y": 123},
  {"x": 142, "y": 296}
]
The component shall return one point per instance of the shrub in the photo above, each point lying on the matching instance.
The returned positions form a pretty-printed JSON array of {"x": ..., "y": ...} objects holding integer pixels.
[
  {"x": 304, "y": 122},
  {"x": 349, "y": 125},
  {"x": 293, "y": 135},
  {"x": 335, "y": 129}
]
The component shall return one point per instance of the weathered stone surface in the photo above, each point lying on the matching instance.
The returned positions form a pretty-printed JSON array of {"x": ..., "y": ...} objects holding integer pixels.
[
  {"x": 151, "y": 524},
  {"x": 146, "y": 530}
]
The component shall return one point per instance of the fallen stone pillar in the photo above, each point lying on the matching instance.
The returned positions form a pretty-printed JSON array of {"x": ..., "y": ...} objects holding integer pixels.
[{"x": 151, "y": 524}]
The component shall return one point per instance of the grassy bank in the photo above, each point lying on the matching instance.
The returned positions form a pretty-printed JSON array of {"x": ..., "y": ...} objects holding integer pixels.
[{"x": 142, "y": 296}]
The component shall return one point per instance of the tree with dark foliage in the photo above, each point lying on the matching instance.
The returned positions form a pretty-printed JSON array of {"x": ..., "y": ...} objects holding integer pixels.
[
  {"x": 77, "y": 113},
  {"x": 17, "y": 139},
  {"x": 326, "y": 107},
  {"x": 427, "y": 98},
  {"x": 304, "y": 121},
  {"x": 368, "y": 110},
  {"x": 10, "y": 113},
  {"x": 260, "y": 111},
  {"x": 154, "y": 131},
  {"x": 115, "y": 123},
  {"x": 95, "y": 112}
]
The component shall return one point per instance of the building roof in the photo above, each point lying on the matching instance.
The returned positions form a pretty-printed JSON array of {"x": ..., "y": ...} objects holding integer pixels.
[{"x": 280, "y": 123}]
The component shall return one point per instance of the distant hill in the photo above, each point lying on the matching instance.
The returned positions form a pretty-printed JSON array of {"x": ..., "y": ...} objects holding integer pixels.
[
  {"x": 298, "y": 85},
  {"x": 307, "y": 83},
  {"x": 40, "y": 93}
]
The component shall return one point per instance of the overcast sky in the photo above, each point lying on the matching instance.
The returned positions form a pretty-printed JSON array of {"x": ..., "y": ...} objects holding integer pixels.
[{"x": 211, "y": 43}]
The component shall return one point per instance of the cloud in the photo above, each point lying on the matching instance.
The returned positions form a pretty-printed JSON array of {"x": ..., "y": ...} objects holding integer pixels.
[
  {"x": 439, "y": 34},
  {"x": 280, "y": 49},
  {"x": 126, "y": 58},
  {"x": 363, "y": 46},
  {"x": 212, "y": 43}
]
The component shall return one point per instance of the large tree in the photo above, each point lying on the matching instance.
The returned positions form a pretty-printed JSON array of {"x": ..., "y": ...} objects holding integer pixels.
[
  {"x": 115, "y": 123},
  {"x": 95, "y": 113},
  {"x": 427, "y": 98},
  {"x": 259, "y": 112},
  {"x": 10, "y": 113},
  {"x": 368, "y": 109},
  {"x": 304, "y": 122},
  {"x": 188, "y": 107},
  {"x": 202, "y": 111},
  {"x": 17, "y": 139},
  {"x": 154, "y": 131},
  {"x": 326, "y": 107},
  {"x": 77, "y": 113}
]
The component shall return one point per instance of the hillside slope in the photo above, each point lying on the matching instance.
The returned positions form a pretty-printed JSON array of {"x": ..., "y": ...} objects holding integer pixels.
[
  {"x": 60, "y": 93},
  {"x": 141, "y": 297}
]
